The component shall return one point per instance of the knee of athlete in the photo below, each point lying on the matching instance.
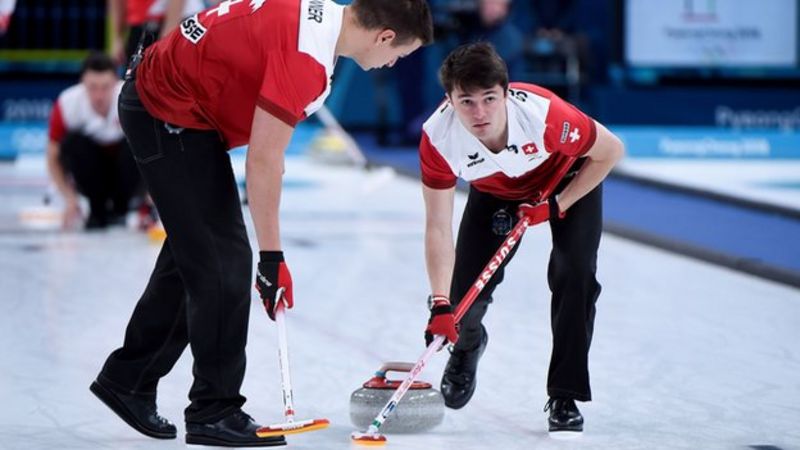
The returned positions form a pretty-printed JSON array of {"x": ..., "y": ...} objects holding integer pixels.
[
  {"x": 583, "y": 269},
  {"x": 572, "y": 278},
  {"x": 476, "y": 312},
  {"x": 572, "y": 261},
  {"x": 237, "y": 285}
]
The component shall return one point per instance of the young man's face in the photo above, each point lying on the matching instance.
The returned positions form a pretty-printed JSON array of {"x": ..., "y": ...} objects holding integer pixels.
[
  {"x": 481, "y": 111},
  {"x": 100, "y": 86},
  {"x": 382, "y": 53}
]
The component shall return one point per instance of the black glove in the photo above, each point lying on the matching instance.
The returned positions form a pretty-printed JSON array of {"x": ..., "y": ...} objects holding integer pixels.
[{"x": 273, "y": 275}]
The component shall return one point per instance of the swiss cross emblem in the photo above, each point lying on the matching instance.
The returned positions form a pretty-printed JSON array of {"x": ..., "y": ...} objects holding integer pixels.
[
  {"x": 575, "y": 135},
  {"x": 530, "y": 148}
]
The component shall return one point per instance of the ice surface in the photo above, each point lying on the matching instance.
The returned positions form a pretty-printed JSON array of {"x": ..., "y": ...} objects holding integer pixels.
[{"x": 685, "y": 355}]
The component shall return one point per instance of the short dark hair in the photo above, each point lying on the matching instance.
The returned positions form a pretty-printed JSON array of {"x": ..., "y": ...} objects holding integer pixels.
[
  {"x": 409, "y": 19},
  {"x": 473, "y": 66},
  {"x": 97, "y": 62}
]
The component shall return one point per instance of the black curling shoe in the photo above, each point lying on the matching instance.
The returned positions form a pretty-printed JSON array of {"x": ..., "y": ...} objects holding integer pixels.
[
  {"x": 564, "y": 415},
  {"x": 458, "y": 381},
  {"x": 234, "y": 430},
  {"x": 136, "y": 410}
]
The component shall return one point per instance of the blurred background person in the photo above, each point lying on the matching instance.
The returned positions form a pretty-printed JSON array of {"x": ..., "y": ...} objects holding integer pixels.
[
  {"x": 496, "y": 28},
  {"x": 556, "y": 49},
  {"x": 87, "y": 153},
  {"x": 463, "y": 21},
  {"x": 553, "y": 19},
  {"x": 456, "y": 22},
  {"x": 131, "y": 18},
  {"x": 6, "y": 10}
]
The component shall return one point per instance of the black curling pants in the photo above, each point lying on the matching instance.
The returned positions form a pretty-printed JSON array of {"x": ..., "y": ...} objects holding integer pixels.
[
  {"x": 105, "y": 174},
  {"x": 199, "y": 291},
  {"x": 571, "y": 277}
]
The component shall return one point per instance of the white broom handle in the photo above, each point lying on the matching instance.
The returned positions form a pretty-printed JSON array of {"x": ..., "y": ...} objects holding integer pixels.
[
  {"x": 329, "y": 121},
  {"x": 283, "y": 356}
]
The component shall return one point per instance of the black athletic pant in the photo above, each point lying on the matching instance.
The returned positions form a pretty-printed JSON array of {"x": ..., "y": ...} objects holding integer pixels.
[
  {"x": 571, "y": 276},
  {"x": 199, "y": 291},
  {"x": 106, "y": 175}
]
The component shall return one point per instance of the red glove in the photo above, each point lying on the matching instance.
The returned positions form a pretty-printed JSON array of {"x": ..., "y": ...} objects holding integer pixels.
[
  {"x": 273, "y": 276},
  {"x": 442, "y": 321},
  {"x": 541, "y": 211}
]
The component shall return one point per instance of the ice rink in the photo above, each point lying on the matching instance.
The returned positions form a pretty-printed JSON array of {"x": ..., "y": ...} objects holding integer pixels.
[{"x": 685, "y": 355}]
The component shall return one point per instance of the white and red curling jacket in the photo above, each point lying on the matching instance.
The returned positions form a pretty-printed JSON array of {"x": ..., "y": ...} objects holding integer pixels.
[
  {"x": 543, "y": 132},
  {"x": 73, "y": 112}
]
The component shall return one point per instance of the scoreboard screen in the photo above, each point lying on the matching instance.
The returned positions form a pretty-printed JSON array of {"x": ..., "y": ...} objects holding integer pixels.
[{"x": 712, "y": 33}]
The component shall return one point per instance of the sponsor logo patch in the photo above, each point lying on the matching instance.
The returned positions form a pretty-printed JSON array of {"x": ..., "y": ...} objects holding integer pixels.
[
  {"x": 564, "y": 132},
  {"x": 474, "y": 159},
  {"x": 519, "y": 95},
  {"x": 192, "y": 29}
]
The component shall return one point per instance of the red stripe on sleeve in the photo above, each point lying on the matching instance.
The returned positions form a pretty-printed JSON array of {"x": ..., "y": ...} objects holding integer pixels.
[
  {"x": 282, "y": 114},
  {"x": 58, "y": 129},
  {"x": 436, "y": 173},
  {"x": 592, "y": 138}
]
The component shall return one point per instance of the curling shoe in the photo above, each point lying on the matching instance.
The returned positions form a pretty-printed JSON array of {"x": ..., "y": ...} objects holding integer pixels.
[
  {"x": 138, "y": 411},
  {"x": 237, "y": 429},
  {"x": 564, "y": 415},
  {"x": 458, "y": 381}
]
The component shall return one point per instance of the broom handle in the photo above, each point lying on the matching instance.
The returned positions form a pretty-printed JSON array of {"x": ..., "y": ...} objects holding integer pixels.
[{"x": 283, "y": 357}]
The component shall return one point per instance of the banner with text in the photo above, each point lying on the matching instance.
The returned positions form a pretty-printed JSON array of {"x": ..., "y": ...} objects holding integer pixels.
[{"x": 709, "y": 33}]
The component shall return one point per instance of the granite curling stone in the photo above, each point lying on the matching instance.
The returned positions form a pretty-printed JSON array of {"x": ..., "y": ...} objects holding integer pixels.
[{"x": 421, "y": 409}]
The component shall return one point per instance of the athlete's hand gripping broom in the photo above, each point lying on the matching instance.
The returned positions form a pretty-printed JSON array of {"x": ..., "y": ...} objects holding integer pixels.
[{"x": 290, "y": 426}]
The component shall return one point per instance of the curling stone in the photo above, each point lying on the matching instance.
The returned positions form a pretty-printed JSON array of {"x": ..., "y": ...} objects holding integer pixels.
[
  {"x": 421, "y": 409},
  {"x": 330, "y": 148}
]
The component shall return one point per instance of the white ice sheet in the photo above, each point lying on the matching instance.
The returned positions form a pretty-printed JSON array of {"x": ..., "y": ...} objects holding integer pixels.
[{"x": 685, "y": 355}]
